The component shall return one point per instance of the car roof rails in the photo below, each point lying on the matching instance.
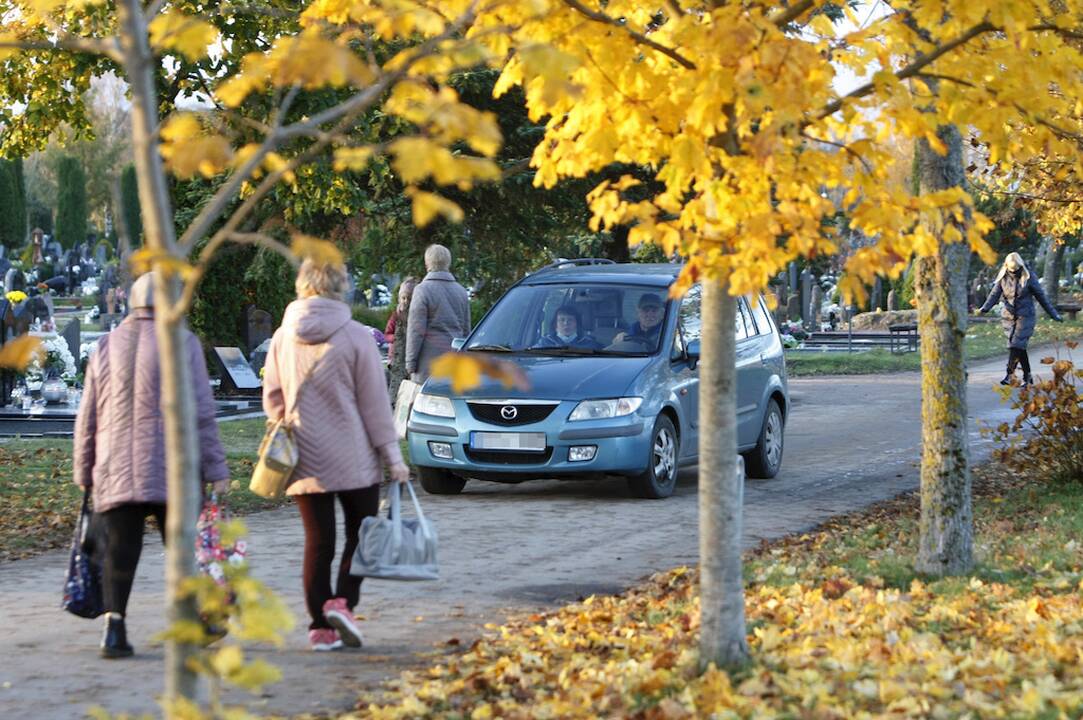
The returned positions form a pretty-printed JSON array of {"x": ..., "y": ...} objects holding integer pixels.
[{"x": 575, "y": 262}]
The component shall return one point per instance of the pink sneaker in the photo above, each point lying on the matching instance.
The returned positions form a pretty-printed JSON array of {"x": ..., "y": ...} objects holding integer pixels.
[
  {"x": 324, "y": 639},
  {"x": 341, "y": 618}
]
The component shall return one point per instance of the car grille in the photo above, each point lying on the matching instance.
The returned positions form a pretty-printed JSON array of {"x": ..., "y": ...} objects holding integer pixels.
[
  {"x": 524, "y": 414},
  {"x": 508, "y": 457}
]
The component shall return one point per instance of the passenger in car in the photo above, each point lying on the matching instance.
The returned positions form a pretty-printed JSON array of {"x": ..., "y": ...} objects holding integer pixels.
[
  {"x": 649, "y": 323},
  {"x": 565, "y": 331}
]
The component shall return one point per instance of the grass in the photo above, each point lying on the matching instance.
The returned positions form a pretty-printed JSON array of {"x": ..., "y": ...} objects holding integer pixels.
[
  {"x": 983, "y": 341},
  {"x": 39, "y": 502}
]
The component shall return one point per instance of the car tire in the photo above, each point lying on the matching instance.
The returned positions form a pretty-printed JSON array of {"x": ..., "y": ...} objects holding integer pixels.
[
  {"x": 765, "y": 460},
  {"x": 659, "y": 478},
  {"x": 440, "y": 482}
]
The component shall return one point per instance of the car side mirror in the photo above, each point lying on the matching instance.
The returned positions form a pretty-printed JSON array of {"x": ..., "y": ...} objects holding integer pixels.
[
  {"x": 692, "y": 352},
  {"x": 457, "y": 343}
]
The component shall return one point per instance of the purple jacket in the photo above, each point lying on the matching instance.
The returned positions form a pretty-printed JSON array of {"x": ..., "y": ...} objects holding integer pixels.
[{"x": 119, "y": 431}]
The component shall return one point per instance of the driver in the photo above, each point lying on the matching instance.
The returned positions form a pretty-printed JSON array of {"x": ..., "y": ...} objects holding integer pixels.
[
  {"x": 649, "y": 323},
  {"x": 565, "y": 331}
]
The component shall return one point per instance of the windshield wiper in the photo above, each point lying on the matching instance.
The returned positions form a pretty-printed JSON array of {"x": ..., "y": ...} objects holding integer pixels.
[{"x": 490, "y": 348}]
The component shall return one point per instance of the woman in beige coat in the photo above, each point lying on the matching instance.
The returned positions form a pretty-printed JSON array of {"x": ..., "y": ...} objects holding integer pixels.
[{"x": 324, "y": 368}]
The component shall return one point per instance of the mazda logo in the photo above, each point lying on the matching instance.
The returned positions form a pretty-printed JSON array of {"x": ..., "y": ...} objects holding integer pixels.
[{"x": 509, "y": 412}]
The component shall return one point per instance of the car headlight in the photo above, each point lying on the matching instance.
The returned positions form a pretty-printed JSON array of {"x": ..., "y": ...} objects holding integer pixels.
[
  {"x": 603, "y": 409},
  {"x": 434, "y": 405}
]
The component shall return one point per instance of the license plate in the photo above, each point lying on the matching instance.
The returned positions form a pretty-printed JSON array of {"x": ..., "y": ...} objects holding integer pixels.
[{"x": 523, "y": 442}]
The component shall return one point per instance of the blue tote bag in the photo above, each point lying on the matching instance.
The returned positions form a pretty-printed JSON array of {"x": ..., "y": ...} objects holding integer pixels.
[{"x": 83, "y": 587}]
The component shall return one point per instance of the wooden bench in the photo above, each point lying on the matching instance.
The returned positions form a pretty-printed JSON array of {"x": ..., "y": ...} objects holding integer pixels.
[
  {"x": 904, "y": 337},
  {"x": 1069, "y": 309},
  {"x": 896, "y": 341}
]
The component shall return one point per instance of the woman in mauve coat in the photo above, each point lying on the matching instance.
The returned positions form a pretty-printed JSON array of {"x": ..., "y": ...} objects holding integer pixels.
[
  {"x": 324, "y": 369},
  {"x": 1017, "y": 289},
  {"x": 119, "y": 448}
]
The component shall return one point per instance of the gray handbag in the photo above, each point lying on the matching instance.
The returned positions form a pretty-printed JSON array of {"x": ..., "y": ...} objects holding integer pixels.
[{"x": 392, "y": 548}]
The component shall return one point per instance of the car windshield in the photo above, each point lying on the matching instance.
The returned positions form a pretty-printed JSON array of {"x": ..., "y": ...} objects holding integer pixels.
[{"x": 574, "y": 319}]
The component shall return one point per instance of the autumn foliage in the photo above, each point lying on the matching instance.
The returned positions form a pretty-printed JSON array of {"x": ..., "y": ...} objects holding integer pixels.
[{"x": 1046, "y": 434}]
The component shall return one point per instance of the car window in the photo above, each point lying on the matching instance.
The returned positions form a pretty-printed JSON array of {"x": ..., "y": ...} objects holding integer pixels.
[
  {"x": 560, "y": 318},
  {"x": 689, "y": 321},
  {"x": 741, "y": 329},
  {"x": 761, "y": 316}
]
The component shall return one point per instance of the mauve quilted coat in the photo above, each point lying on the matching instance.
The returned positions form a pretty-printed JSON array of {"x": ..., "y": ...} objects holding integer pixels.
[
  {"x": 342, "y": 420},
  {"x": 119, "y": 432}
]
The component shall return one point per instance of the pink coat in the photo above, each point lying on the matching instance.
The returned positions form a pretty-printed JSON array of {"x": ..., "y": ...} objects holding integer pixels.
[
  {"x": 119, "y": 432},
  {"x": 342, "y": 422}
]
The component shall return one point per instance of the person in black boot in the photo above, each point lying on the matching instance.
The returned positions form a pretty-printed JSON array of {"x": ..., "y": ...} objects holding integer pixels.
[
  {"x": 115, "y": 637},
  {"x": 1016, "y": 288}
]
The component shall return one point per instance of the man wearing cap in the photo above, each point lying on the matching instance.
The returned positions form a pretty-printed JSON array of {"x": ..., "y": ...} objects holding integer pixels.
[{"x": 648, "y": 325}]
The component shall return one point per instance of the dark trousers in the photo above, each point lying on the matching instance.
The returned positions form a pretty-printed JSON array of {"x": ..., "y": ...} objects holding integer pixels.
[
  {"x": 318, "y": 516},
  {"x": 1018, "y": 357},
  {"x": 122, "y": 529}
]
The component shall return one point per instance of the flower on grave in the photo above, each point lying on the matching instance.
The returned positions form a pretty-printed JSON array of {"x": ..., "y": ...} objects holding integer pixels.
[
  {"x": 261, "y": 371},
  {"x": 16, "y": 296},
  {"x": 52, "y": 356}
]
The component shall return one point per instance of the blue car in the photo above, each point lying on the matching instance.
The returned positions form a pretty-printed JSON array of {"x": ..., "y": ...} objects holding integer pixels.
[{"x": 611, "y": 363}]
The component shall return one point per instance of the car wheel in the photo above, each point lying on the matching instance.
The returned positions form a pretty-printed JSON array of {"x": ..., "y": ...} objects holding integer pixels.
[
  {"x": 765, "y": 460},
  {"x": 440, "y": 482},
  {"x": 660, "y": 477}
]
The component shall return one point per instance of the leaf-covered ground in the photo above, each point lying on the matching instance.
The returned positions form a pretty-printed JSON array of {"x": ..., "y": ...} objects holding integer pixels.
[
  {"x": 840, "y": 627},
  {"x": 39, "y": 503}
]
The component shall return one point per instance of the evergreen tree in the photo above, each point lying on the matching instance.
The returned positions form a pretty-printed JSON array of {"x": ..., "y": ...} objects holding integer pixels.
[
  {"x": 20, "y": 200},
  {"x": 71, "y": 212},
  {"x": 129, "y": 206},
  {"x": 9, "y": 207}
]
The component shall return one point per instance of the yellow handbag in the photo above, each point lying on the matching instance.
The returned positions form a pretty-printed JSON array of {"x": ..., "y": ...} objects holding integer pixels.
[{"x": 278, "y": 451}]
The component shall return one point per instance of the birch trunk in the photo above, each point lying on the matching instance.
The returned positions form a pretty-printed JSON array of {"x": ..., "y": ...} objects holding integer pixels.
[
  {"x": 178, "y": 400},
  {"x": 946, "y": 529},
  {"x": 721, "y": 487}
]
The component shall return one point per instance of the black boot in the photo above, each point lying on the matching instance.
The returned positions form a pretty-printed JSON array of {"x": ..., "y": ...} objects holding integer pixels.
[
  {"x": 1027, "y": 379},
  {"x": 115, "y": 638}
]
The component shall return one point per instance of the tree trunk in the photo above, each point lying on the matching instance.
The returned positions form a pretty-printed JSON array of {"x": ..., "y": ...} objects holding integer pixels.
[
  {"x": 1054, "y": 258},
  {"x": 946, "y": 530},
  {"x": 721, "y": 487},
  {"x": 178, "y": 399}
]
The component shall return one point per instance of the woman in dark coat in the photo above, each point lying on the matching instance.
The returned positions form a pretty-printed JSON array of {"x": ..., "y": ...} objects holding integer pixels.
[
  {"x": 565, "y": 331},
  {"x": 1017, "y": 288}
]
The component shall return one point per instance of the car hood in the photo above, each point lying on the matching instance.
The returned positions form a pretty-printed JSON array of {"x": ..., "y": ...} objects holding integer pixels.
[{"x": 557, "y": 378}]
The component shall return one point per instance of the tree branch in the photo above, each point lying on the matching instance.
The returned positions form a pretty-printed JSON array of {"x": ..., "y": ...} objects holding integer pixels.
[
  {"x": 105, "y": 47},
  {"x": 788, "y": 15},
  {"x": 639, "y": 37},
  {"x": 914, "y": 68},
  {"x": 841, "y": 146},
  {"x": 1036, "y": 198}
]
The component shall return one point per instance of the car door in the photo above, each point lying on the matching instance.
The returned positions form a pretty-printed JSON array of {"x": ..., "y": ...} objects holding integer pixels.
[{"x": 686, "y": 372}]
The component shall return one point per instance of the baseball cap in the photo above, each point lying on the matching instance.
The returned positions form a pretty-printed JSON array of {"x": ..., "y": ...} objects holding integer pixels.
[{"x": 647, "y": 299}]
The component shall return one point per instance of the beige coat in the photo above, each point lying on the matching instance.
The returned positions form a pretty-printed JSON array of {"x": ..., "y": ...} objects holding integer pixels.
[{"x": 343, "y": 424}]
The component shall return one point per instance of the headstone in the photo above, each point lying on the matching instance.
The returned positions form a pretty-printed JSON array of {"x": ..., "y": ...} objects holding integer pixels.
[
  {"x": 237, "y": 374},
  {"x": 72, "y": 333},
  {"x": 892, "y": 301},
  {"x": 806, "y": 296},
  {"x": 876, "y": 298},
  {"x": 36, "y": 239},
  {"x": 816, "y": 306},
  {"x": 258, "y": 358},
  {"x": 793, "y": 277},
  {"x": 1068, "y": 269},
  {"x": 793, "y": 309},
  {"x": 101, "y": 255},
  {"x": 258, "y": 326}
]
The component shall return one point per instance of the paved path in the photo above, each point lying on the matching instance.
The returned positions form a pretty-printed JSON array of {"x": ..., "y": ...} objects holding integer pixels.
[{"x": 850, "y": 441}]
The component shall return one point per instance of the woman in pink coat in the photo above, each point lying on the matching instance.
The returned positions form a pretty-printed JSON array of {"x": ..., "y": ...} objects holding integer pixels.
[
  {"x": 325, "y": 370},
  {"x": 119, "y": 448}
]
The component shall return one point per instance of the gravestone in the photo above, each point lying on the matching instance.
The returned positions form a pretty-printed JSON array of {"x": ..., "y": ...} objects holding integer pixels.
[
  {"x": 258, "y": 358},
  {"x": 237, "y": 374},
  {"x": 806, "y": 296},
  {"x": 1069, "y": 271},
  {"x": 793, "y": 277},
  {"x": 892, "y": 301},
  {"x": 816, "y": 306},
  {"x": 72, "y": 333},
  {"x": 258, "y": 326},
  {"x": 877, "y": 295},
  {"x": 793, "y": 309}
]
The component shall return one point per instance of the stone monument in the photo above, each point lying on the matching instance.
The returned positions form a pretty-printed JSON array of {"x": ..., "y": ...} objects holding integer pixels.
[{"x": 258, "y": 326}]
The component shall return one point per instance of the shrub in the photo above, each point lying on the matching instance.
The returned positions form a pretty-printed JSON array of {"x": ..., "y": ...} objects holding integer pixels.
[
  {"x": 373, "y": 317},
  {"x": 1045, "y": 435},
  {"x": 71, "y": 210}
]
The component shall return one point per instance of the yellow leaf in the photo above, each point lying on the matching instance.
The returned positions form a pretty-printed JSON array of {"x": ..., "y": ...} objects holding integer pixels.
[
  {"x": 228, "y": 660},
  {"x": 319, "y": 251},
  {"x": 190, "y": 36},
  {"x": 352, "y": 158},
  {"x": 16, "y": 354},
  {"x": 463, "y": 370},
  {"x": 428, "y": 205},
  {"x": 146, "y": 259}
]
